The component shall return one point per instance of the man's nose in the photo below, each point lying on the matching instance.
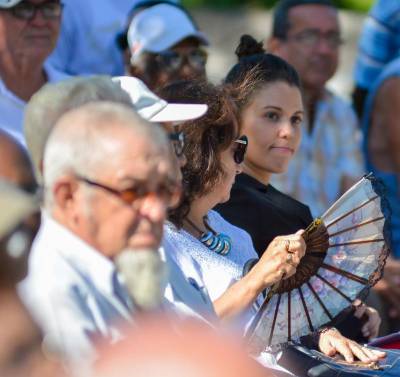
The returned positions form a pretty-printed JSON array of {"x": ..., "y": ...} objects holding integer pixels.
[
  {"x": 38, "y": 19},
  {"x": 154, "y": 207}
]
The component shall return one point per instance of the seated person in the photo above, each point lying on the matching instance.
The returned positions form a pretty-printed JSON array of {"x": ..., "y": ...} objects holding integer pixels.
[
  {"x": 172, "y": 50},
  {"x": 269, "y": 100},
  {"x": 214, "y": 151}
]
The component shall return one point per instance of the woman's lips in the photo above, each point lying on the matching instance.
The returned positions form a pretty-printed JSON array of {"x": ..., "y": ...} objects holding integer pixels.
[{"x": 286, "y": 150}]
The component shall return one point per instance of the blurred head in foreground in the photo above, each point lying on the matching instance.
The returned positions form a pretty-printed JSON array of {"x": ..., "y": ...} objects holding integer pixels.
[{"x": 156, "y": 349}]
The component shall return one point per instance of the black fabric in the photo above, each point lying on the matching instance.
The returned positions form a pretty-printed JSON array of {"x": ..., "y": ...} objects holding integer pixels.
[{"x": 263, "y": 211}]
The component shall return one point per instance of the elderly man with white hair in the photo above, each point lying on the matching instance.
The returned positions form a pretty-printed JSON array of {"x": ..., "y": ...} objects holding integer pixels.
[
  {"x": 108, "y": 179},
  {"x": 48, "y": 105}
]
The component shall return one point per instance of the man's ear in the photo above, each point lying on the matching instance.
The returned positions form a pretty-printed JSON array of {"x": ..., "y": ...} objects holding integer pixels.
[{"x": 64, "y": 193}]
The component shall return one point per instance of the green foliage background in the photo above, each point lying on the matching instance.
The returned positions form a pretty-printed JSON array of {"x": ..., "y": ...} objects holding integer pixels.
[{"x": 357, "y": 5}]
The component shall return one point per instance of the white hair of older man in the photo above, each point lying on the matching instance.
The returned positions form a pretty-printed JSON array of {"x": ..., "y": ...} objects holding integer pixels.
[
  {"x": 81, "y": 138},
  {"x": 145, "y": 276},
  {"x": 54, "y": 99}
]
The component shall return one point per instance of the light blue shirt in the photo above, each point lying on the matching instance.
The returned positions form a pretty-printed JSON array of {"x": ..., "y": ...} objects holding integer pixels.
[
  {"x": 74, "y": 293},
  {"x": 379, "y": 42}
]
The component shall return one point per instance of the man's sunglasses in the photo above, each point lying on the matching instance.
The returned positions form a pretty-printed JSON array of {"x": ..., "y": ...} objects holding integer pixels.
[
  {"x": 27, "y": 11},
  {"x": 129, "y": 196},
  {"x": 173, "y": 60},
  {"x": 240, "y": 150}
]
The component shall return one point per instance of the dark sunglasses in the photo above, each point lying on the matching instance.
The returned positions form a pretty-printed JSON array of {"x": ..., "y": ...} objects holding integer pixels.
[
  {"x": 173, "y": 60},
  {"x": 240, "y": 150},
  {"x": 27, "y": 11},
  {"x": 177, "y": 140}
]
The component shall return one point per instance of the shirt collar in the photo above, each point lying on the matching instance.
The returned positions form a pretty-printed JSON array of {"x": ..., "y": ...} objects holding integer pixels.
[{"x": 83, "y": 257}]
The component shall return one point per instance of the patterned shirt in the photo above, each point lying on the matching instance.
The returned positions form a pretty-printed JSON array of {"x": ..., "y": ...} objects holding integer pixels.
[
  {"x": 379, "y": 42},
  {"x": 329, "y": 153}
]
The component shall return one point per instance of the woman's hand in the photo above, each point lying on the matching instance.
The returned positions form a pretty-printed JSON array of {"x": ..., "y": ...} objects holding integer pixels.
[
  {"x": 370, "y": 329},
  {"x": 280, "y": 260},
  {"x": 332, "y": 342}
]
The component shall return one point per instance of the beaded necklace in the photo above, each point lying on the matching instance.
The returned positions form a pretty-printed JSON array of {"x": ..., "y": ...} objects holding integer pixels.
[{"x": 217, "y": 242}]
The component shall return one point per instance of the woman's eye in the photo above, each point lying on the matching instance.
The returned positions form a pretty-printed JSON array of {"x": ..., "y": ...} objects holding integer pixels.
[
  {"x": 272, "y": 116},
  {"x": 297, "y": 120}
]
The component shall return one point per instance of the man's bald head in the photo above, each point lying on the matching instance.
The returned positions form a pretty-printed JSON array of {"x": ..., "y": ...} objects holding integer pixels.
[{"x": 15, "y": 165}]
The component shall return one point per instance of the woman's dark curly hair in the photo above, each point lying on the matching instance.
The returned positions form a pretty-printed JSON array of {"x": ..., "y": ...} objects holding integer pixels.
[
  {"x": 255, "y": 69},
  {"x": 205, "y": 139}
]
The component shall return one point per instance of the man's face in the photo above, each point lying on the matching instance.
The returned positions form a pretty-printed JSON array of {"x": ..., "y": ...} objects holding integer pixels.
[
  {"x": 183, "y": 61},
  {"x": 312, "y": 44},
  {"x": 143, "y": 179},
  {"x": 37, "y": 36}
]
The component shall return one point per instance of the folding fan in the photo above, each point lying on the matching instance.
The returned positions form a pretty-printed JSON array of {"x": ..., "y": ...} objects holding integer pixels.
[{"x": 346, "y": 252}]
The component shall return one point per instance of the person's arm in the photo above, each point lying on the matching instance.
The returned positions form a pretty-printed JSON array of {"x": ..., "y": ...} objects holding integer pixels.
[{"x": 274, "y": 265}]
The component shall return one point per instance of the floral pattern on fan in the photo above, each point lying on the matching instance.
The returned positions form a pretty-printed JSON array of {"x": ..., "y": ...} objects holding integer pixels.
[{"x": 346, "y": 252}]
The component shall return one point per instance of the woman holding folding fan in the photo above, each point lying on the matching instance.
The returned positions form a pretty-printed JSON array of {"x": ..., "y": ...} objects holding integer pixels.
[
  {"x": 214, "y": 151},
  {"x": 269, "y": 101}
]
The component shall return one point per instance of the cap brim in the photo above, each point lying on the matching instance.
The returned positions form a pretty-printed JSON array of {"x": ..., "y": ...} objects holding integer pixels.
[
  {"x": 179, "y": 112},
  {"x": 9, "y": 4}
]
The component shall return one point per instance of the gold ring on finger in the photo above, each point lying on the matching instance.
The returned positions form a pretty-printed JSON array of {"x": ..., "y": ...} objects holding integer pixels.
[{"x": 287, "y": 245}]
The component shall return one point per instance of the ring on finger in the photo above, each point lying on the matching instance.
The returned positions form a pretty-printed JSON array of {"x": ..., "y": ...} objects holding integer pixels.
[
  {"x": 287, "y": 245},
  {"x": 289, "y": 258}
]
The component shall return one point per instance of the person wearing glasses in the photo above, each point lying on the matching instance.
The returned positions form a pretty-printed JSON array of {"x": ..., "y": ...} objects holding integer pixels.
[
  {"x": 28, "y": 34},
  {"x": 306, "y": 33},
  {"x": 96, "y": 209},
  {"x": 165, "y": 46}
]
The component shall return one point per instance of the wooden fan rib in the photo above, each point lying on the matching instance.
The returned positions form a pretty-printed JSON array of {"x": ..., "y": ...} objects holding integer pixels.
[
  {"x": 327, "y": 282},
  {"x": 271, "y": 334},
  {"x": 320, "y": 301},
  {"x": 289, "y": 318},
  {"x": 356, "y": 226},
  {"x": 306, "y": 310},
  {"x": 351, "y": 211},
  {"x": 357, "y": 242},
  {"x": 346, "y": 274}
]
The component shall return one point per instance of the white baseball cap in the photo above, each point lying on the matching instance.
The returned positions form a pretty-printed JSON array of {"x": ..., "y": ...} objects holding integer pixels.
[
  {"x": 155, "y": 109},
  {"x": 160, "y": 27},
  {"x": 15, "y": 206},
  {"x": 8, "y": 3}
]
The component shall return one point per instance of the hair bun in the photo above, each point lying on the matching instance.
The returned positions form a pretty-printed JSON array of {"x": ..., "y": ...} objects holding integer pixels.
[{"x": 248, "y": 46}]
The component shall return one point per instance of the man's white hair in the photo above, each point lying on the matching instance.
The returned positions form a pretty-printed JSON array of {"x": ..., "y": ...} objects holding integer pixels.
[
  {"x": 81, "y": 139},
  {"x": 54, "y": 99}
]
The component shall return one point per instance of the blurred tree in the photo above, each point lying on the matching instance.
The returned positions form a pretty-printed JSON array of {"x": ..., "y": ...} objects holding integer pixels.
[{"x": 357, "y": 5}]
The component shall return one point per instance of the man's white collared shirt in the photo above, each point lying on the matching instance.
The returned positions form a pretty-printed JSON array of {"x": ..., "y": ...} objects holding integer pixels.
[{"x": 74, "y": 293}]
